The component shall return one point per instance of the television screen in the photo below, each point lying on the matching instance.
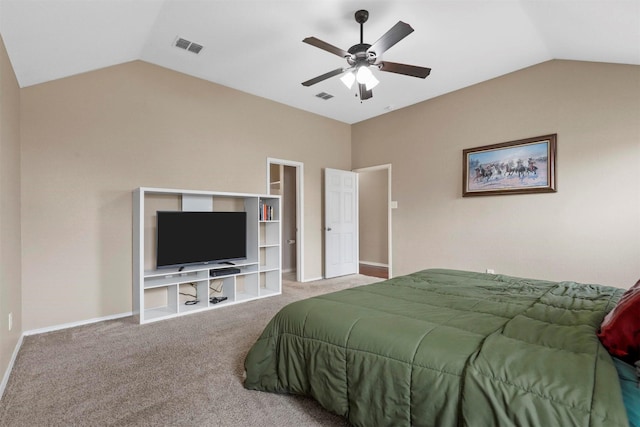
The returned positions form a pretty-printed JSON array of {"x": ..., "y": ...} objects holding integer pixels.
[{"x": 185, "y": 238}]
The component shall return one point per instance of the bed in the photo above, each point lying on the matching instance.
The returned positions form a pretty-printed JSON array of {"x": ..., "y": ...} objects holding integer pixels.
[{"x": 447, "y": 348}]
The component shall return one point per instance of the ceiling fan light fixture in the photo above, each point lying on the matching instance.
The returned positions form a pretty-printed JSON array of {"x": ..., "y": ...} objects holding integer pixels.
[
  {"x": 372, "y": 82},
  {"x": 348, "y": 79},
  {"x": 365, "y": 76}
]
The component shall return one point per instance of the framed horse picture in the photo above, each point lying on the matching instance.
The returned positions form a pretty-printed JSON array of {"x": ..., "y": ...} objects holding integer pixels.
[{"x": 515, "y": 167}]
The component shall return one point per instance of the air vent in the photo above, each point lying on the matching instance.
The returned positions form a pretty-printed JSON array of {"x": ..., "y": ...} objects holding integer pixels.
[
  {"x": 324, "y": 95},
  {"x": 188, "y": 45},
  {"x": 195, "y": 48}
]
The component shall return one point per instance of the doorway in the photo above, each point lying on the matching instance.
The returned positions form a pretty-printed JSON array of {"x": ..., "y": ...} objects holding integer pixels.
[
  {"x": 375, "y": 220},
  {"x": 285, "y": 178}
]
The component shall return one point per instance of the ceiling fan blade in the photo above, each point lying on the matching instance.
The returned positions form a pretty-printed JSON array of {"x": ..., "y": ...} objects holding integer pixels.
[
  {"x": 407, "y": 70},
  {"x": 364, "y": 93},
  {"x": 325, "y": 76},
  {"x": 326, "y": 46},
  {"x": 391, "y": 37}
]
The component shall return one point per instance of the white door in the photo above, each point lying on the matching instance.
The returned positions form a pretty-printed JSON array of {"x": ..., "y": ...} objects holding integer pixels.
[{"x": 341, "y": 223}]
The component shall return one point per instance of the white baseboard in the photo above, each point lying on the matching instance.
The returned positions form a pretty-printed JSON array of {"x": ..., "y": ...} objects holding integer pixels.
[
  {"x": 313, "y": 279},
  {"x": 74, "y": 324},
  {"x": 7, "y": 373},
  {"x": 374, "y": 264}
]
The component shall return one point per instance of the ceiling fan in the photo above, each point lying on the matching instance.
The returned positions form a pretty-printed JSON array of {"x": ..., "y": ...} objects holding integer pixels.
[{"x": 361, "y": 56}]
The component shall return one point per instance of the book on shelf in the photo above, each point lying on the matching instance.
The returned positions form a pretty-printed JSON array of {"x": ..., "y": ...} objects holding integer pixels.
[{"x": 266, "y": 212}]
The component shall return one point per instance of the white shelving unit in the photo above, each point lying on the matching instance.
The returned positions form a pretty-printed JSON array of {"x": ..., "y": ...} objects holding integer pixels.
[{"x": 158, "y": 293}]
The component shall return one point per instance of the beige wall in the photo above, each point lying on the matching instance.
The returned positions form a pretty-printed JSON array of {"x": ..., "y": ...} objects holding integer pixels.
[
  {"x": 10, "y": 265},
  {"x": 89, "y": 140},
  {"x": 373, "y": 190},
  {"x": 589, "y": 231}
]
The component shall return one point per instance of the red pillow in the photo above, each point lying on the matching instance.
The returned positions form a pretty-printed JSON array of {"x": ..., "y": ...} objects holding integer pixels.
[{"x": 620, "y": 329}]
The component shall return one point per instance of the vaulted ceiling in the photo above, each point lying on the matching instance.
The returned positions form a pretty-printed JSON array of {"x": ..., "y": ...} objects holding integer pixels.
[{"x": 256, "y": 46}]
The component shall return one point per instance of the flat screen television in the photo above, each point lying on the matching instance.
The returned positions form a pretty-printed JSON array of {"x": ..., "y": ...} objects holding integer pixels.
[{"x": 188, "y": 238}]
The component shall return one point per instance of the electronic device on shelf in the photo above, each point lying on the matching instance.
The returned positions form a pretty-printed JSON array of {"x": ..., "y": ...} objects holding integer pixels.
[
  {"x": 223, "y": 271},
  {"x": 188, "y": 238}
]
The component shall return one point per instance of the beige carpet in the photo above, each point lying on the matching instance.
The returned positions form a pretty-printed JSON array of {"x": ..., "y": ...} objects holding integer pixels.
[{"x": 186, "y": 371}]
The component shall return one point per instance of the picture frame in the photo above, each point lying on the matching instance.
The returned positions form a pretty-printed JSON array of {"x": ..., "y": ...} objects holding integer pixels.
[{"x": 515, "y": 167}]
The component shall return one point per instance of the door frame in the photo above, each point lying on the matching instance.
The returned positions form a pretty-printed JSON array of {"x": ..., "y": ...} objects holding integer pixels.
[
  {"x": 299, "y": 166},
  {"x": 390, "y": 207}
]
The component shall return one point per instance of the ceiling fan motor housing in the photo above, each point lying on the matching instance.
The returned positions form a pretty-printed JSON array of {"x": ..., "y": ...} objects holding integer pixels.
[{"x": 360, "y": 56}]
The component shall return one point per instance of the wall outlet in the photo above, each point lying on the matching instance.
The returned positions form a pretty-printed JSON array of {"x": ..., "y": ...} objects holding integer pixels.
[
  {"x": 10, "y": 321},
  {"x": 491, "y": 271}
]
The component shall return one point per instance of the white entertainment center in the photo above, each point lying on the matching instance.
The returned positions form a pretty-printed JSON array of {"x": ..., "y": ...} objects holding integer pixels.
[{"x": 164, "y": 293}]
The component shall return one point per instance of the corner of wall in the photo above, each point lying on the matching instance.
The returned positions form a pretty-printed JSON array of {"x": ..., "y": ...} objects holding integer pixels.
[{"x": 10, "y": 218}]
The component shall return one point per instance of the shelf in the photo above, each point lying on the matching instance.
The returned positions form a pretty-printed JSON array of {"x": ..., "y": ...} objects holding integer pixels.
[
  {"x": 237, "y": 264},
  {"x": 157, "y": 282},
  {"x": 160, "y": 278},
  {"x": 264, "y": 292},
  {"x": 201, "y": 305},
  {"x": 259, "y": 274},
  {"x": 221, "y": 303},
  {"x": 245, "y": 297},
  {"x": 158, "y": 313},
  {"x": 163, "y": 272},
  {"x": 246, "y": 273}
]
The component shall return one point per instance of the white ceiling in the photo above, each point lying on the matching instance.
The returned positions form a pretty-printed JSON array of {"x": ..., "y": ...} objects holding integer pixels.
[{"x": 256, "y": 46}]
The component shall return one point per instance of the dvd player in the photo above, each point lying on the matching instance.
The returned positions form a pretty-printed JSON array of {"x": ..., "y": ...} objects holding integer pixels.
[{"x": 223, "y": 271}]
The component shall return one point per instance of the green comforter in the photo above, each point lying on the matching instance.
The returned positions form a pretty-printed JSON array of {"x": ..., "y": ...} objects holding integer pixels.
[{"x": 447, "y": 348}]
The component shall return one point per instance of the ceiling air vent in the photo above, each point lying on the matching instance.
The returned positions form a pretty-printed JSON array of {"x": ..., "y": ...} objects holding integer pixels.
[
  {"x": 195, "y": 48},
  {"x": 324, "y": 95},
  {"x": 188, "y": 45}
]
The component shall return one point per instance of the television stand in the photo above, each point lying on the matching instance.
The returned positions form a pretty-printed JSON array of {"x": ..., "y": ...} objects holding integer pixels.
[{"x": 160, "y": 293}]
